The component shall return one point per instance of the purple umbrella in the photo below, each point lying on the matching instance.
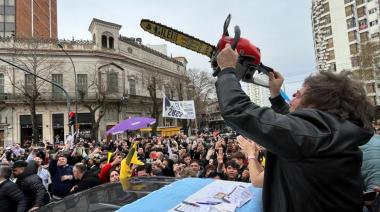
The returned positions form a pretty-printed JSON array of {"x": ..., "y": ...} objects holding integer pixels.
[{"x": 131, "y": 124}]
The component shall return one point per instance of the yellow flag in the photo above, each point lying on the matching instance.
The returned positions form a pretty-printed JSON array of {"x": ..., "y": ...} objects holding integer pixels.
[
  {"x": 109, "y": 157},
  {"x": 135, "y": 160},
  {"x": 125, "y": 169}
]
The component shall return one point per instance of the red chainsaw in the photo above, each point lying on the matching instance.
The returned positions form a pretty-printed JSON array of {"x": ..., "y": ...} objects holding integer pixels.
[{"x": 249, "y": 60}]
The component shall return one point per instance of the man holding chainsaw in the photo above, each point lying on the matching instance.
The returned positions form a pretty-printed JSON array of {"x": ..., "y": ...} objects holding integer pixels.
[{"x": 313, "y": 161}]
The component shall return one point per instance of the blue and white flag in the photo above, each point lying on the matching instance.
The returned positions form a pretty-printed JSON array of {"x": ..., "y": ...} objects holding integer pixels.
[{"x": 178, "y": 109}]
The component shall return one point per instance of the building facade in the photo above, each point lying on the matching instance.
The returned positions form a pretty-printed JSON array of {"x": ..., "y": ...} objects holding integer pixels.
[
  {"x": 112, "y": 75},
  {"x": 258, "y": 94},
  {"x": 28, "y": 18},
  {"x": 339, "y": 29}
]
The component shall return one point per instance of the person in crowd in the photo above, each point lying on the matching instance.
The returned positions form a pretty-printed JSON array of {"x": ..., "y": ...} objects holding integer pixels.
[
  {"x": 114, "y": 176},
  {"x": 311, "y": 143},
  {"x": 93, "y": 165},
  {"x": 229, "y": 172},
  {"x": 17, "y": 150},
  {"x": 11, "y": 197},
  {"x": 30, "y": 184},
  {"x": 371, "y": 171},
  {"x": 196, "y": 167},
  {"x": 209, "y": 171},
  {"x": 85, "y": 179},
  {"x": 62, "y": 177},
  {"x": 187, "y": 159},
  {"x": 145, "y": 170},
  {"x": 105, "y": 170},
  {"x": 43, "y": 173},
  {"x": 239, "y": 158}
]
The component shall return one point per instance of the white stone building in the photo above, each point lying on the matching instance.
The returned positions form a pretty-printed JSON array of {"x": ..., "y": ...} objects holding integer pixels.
[{"x": 121, "y": 67}]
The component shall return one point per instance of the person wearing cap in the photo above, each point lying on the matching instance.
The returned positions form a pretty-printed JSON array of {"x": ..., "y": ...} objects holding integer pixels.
[
  {"x": 31, "y": 185},
  {"x": 11, "y": 197}
]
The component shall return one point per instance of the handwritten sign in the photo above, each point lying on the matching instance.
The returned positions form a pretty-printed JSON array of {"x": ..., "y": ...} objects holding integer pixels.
[{"x": 178, "y": 109}]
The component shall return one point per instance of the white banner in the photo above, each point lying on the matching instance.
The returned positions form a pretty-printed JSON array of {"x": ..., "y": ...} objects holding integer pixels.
[{"x": 178, "y": 109}]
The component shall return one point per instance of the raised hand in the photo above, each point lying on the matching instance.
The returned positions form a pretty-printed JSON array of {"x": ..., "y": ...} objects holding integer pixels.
[
  {"x": 220, "y": 156},
  {"x": 249, "y": 147}
]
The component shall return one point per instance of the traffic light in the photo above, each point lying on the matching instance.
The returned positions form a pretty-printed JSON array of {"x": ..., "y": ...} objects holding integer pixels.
[{"x": 71, "y": 118}]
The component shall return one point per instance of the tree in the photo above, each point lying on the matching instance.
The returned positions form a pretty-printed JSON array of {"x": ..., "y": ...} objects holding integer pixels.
[
  {"x": 368, "y": 62},
  {"x": 94, "y": 101},
  {"x": 203, "y": 88},
  {"x": 153, "y": 82},
  {"x": 33, "y": 55}
]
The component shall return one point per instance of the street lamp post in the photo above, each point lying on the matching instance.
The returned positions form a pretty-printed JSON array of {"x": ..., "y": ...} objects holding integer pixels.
[{"x": 75, "y": 84}]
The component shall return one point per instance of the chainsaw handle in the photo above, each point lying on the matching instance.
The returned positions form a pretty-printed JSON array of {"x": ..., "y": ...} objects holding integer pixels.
[
  {"x": 233, "y": 46},
  {"x": 226, "y": 24},
  {"x": 236, "y": 38},
  {"x": 264, "y": 69}
]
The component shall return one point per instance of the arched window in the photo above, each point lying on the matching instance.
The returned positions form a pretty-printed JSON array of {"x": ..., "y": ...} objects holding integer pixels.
[
  {"x": 104, "y": 41},
  {"x": 110, "y": 43}
]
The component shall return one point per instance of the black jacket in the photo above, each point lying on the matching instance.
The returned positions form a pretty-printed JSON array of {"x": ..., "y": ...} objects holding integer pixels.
[
  {"x": 88, "y": 181},
  {"x": 33, "y": 189},
  {"x": 11, "y": 197},
  {"x": 313, "y": 160}
]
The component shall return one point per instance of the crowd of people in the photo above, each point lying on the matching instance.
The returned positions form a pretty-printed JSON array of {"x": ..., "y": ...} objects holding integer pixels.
[
  {"x": 50, "y": 172},
  {"x": 32, "y": 176}
]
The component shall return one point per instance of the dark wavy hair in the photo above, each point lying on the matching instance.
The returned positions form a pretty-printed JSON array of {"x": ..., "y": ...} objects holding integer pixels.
[{"x": 339, "y": 95}]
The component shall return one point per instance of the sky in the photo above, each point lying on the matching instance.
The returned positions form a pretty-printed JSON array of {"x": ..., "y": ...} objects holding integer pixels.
[{"x": 280, "y": 28}]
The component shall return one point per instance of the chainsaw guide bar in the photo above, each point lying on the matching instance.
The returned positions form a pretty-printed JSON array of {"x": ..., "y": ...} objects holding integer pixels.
[{"x": 177, "y": 37}]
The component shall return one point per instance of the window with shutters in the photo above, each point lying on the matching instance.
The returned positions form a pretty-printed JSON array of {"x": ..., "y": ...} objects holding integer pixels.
[
  {"x": 351, "y": 23},
  {"x": 331, "y": 55},
  {"x": 326, "y": 7},
  {"x": 330, "y": 43},
  {"x": 2, "y": 84},
  {"x": 352, "y": 36},
  {"x": 112, "y": 83},
  {"x": 354, "y": 48},
  {"x": 57, "y": 93},
  {"x": 82, "y": 85},
  {"x": 349, "y": 10},
  {"x": 370, "y": 88},
  {"x": 29, "y": 79},
  {"x": 328, "y": 31},
  {"x": 327, "y": 19},
  {"x": 364, "y": 37},
  {"x": 361, "y": 12},
  {"x": 354, "y": 62},
  {"x": 132, "y": 86},
  {"x": 359, "y": 2}
]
